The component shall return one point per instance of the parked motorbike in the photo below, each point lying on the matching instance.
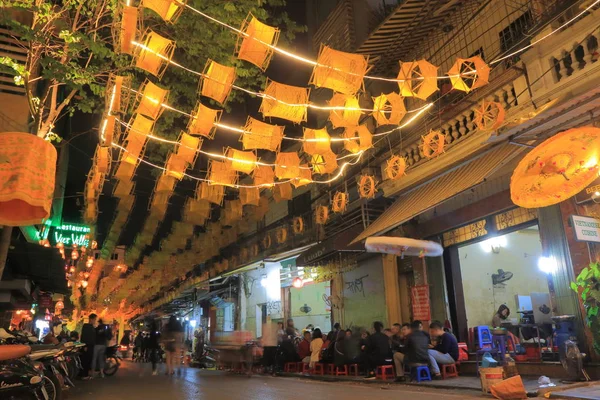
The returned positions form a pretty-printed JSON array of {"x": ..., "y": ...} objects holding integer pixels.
[
  {"x": 20, "y": 378},
  {"x": 208, "y": 358},
  {"x": 113, "y": 360}
]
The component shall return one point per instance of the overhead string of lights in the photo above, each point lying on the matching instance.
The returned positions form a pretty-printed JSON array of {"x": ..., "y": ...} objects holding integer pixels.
[
  {"x": 315, "y": 63},
  {"x": 358, "y": 155},
  {"x": 419, "y": 111}
]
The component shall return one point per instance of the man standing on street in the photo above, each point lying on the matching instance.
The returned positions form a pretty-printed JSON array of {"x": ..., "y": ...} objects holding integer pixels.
[{"x": 88, "y": 336}]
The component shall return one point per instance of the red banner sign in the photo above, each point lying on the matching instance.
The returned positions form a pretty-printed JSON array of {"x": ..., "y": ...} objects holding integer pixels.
[{"x": 420, "y": 303}]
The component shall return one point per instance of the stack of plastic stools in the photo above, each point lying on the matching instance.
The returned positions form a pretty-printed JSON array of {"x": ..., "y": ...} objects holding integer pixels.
[
  {"x": 484, "y": 336},
  {"x": 420, "y": 373}
]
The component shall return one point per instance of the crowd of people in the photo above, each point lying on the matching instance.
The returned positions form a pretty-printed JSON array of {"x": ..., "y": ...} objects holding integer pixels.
[
  {"x": 401, "y": 345},
  {"x": 150, "y": 346}
]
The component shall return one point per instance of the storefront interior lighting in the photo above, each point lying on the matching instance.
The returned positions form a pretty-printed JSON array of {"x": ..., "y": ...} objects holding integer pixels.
[
  {"x": 494, "y": 244},
  {"x": 193, "y": 323},
  {"x": 263, "y": 281},
  {"x": 547, "y": 265}
]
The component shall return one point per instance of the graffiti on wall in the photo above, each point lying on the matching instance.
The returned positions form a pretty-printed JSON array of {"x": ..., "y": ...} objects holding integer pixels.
[
  {"x": 357, "y": 285},
  {"x": 274, "y": 308}
]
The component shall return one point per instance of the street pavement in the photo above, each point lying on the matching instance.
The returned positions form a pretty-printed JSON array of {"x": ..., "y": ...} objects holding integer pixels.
[{"x": 135, "y": 381}]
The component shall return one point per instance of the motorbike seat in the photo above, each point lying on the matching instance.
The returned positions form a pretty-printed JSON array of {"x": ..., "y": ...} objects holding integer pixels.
[
  {"x": 43, "y": 354},
  {"x": 39, "y": 347},
  {"x": 12, "y": 351}
]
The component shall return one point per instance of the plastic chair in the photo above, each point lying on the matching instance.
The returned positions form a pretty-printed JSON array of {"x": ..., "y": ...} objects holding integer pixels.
[
  {"x": 303, "y": 368},
  {"x": 500, "y": 342},
  {"x": 384, "y": 372},
  {"x": 290, "y": 367},
  {"x": 319, "y": 369},
  {"x": 485, "y": 337},
  {"x": 420, "y": 373},
  {"x": 449, "y": 371},
  {"x": 342, "y": 370},
  {"x": 353, "y": 369},
  {"x": 330, "y": 369}
]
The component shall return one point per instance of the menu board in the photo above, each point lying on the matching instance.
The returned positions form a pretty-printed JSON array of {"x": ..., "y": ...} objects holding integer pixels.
[{"x": 420, "y": 303}]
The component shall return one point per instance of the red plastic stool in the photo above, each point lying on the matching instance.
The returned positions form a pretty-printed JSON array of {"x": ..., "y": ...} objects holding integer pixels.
[
  {"x": 303, "y": 368},
  {"x": 384, "y": 372},
  {"x": 290, "y": 367},
  {"x": 449, "y": 371},
  {"x": 343, "y": 370},
  {"x": 330, "y": 369},
  {"x": 353, "y": 369},
  {"x": 319, "y": 369}
]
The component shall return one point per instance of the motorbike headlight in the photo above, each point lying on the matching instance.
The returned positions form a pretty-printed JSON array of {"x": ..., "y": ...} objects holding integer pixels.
[
  {"x": 39, "y": 366},
  {"x": 35, "y": 380}
]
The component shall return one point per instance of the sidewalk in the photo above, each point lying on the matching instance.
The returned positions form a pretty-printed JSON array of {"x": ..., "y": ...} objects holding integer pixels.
[{"x": 460, "y": 383}]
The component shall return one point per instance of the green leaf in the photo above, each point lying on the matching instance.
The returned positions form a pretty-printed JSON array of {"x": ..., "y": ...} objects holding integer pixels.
[
  {"x": 583, "y": 275},
  {"x": 592, "y": 311},
  {"x": 574, "y": 287}
]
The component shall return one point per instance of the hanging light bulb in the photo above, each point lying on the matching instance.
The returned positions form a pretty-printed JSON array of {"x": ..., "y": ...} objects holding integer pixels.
[
  {"x": 94, "y": 245},
  {"x": 83, "y": 250},
  {"x": 86, "y": 275},
  {"x": 60, "y": 245},
  {"x": 68, "y": 283},
  {"x": 72, "y": 269},
  {"x": 74, "y": 246},
  {"x": 90, "y": 262},
  {"x": 74, "y": 254},
  {"x": 84, "y": 284}
]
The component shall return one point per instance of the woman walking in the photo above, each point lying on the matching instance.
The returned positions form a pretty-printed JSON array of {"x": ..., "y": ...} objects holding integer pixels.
[{"x": 172, "y": 339}]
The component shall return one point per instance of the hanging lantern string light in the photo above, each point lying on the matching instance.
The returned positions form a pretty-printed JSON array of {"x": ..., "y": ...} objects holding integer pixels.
[
  {"x": 214, "y": 155},
  {"x": 314, "y": 63},
  {"x": 261, "y": 95},
  {"x": 238, "y": 186},
  {"x": 417, "y": 111},
  {"x": 239, "y": 130},
  {"x": 307, "y": 60}
]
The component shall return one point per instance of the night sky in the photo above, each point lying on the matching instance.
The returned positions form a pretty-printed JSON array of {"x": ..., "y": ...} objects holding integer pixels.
[{"x": 81, "y": 136}]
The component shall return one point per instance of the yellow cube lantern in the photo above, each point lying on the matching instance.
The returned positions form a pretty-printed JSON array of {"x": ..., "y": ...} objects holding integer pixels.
[
  {"x": 282, "y": 191},
  {"x": 217, "y": 81},
  {"x": 150, "y": 99},
  {"x": 176, "y": 166},
  {"x": 263, "y": 176},
  {"x": 316, "y": 141},
  {"x": 255, "y": 43},
  {"x": 168, "y": 10},
  {"x": 125, "y": 171},
  {"x": 305, "y": 177},
  {"x": 249, "y": 196},
  {"x": 188, "y": 148},
  {"x": 347, "y": 112},
  {"x": 211, "y": 193},
  {"x": 287, "y": 165},
  {"x": 154, "y": 54},
  {"x": 242, "y": 161},
  {"x": 136, "y": 134},
  {"x": 127, "y": 30},
  {"x": 359, "y": 138},
  {"x": 165, "y": 183},
  {"x": 260, "y": 135},
  {"x": 342, "y": 72},
  {"x": 203, "y": 120},
  {"x": 221, "y": 173},
  {"x": 278, "y": 99}
]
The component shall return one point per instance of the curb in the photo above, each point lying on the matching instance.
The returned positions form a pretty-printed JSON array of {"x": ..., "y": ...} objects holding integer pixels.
[{"x": 334, "y": 379}]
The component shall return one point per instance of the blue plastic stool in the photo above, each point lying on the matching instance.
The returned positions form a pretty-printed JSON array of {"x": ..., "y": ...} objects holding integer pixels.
[
  {"x": 485, "y": 337},
  {"x": 420, "y": 373}
]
